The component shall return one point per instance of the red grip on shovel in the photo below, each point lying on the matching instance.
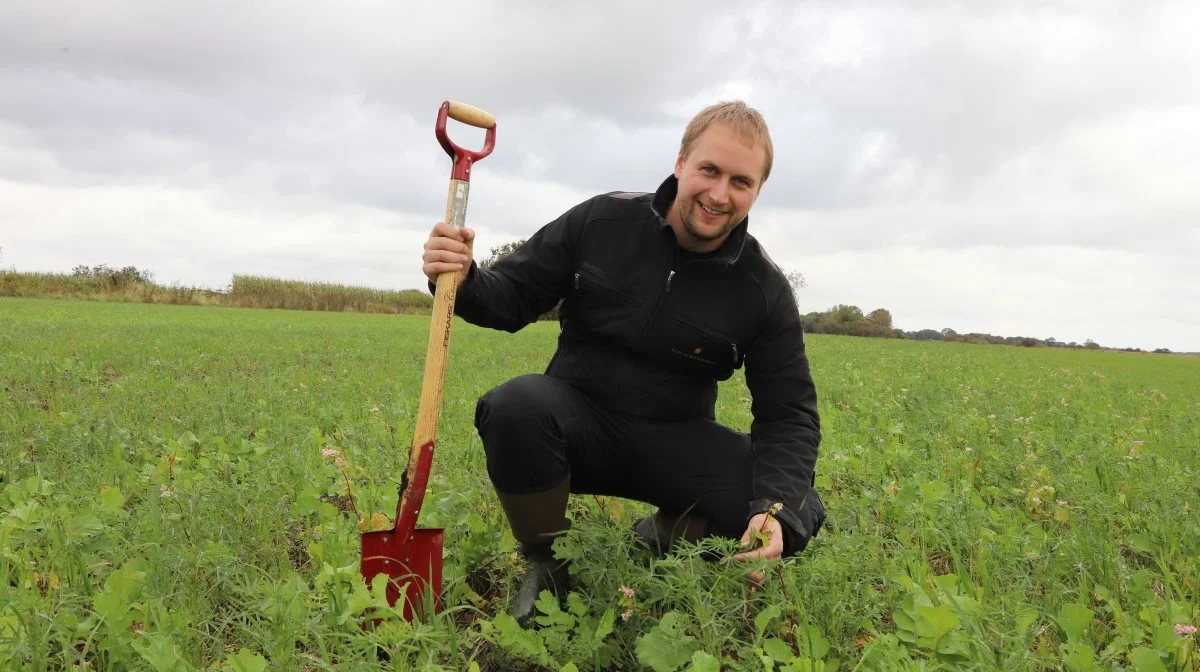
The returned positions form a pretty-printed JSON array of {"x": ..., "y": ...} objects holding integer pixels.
[{"x": 472, "y": 116}]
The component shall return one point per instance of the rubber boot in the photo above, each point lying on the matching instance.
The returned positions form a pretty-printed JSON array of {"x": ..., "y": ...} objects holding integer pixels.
[
  {"x": 536, "y": 520},
  {"x": 663, "y": 529}
]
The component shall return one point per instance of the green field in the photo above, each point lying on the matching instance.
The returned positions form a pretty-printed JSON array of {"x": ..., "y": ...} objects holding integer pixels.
[{"x": 167, "y": 505}]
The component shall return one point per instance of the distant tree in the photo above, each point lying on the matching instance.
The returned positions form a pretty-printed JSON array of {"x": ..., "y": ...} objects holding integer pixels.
[
  {"x": 501, "y": 251},
  {"x": 1162, "y": 350},
  {"x": 839, "y": 319},
  {"x": 925, "y": 335},
  {"x": 796, "y": 280},
  {"x": 881, "y": 317},
  {"x": 1091, "y": 345},
  {"x": 112, "y": 278}
]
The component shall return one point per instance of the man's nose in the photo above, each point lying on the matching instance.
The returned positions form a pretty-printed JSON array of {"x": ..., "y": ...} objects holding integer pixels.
[{"x": 719, "y": 192}]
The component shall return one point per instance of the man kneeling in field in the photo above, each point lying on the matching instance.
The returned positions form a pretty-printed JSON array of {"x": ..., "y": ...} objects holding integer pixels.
[{"x": 664, "y": 294}]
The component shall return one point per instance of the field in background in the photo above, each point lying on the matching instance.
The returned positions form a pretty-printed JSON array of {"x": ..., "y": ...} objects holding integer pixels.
[
  {"x": 245, "y": 291},
  {"x": 185, "y": 482}
]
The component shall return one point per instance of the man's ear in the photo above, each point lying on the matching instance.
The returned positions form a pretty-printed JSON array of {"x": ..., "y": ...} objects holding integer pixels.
[{"x": 679, "y": 166}]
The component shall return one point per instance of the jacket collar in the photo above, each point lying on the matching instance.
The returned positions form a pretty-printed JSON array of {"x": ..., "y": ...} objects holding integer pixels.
[{"x": 729, "y": 252}]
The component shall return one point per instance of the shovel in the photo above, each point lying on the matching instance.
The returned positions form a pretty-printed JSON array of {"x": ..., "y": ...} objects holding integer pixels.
[{"x": 411, "y": 557}]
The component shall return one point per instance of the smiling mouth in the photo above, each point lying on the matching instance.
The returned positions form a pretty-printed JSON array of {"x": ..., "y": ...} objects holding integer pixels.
[{"x": 709, "y": 210}]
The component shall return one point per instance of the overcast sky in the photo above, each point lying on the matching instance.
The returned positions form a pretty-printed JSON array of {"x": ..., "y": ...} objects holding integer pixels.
[{"x": 1016, "y": 168}]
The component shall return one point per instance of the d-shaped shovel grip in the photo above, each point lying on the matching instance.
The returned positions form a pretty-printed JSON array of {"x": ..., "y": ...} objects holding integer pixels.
[{"x": 472, "y": 116}]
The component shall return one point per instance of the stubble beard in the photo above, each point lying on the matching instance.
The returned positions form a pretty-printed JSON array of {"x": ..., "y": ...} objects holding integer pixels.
[{"x": 695, "y": 231}]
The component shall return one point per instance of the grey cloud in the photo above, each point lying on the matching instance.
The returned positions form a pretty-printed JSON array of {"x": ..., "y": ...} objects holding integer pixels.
[
  {"x": 943, "y": 125},
  {"x": 929, "y": 92}
]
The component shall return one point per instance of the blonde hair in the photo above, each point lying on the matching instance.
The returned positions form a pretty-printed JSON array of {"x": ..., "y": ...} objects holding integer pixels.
[{"x": 745, "y": 120}]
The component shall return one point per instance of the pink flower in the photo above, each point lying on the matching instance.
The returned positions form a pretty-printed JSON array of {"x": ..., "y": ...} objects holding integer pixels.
[
  {"x": 1185, "y": 630},
  {"x": 627, "y": 591},
  {"x": 625, "y": 615},
  {"x": 1139, "y": 443},
  {"x": 328, "y": 452}
]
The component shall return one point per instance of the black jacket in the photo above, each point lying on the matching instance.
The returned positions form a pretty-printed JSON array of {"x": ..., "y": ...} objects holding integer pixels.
[{"x": 648, "y": 329}]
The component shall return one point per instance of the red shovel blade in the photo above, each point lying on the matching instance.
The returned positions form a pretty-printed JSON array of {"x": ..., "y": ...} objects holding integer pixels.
[
  {"x": 413, "y": 567},
  {"x": 410, "y": 557}
]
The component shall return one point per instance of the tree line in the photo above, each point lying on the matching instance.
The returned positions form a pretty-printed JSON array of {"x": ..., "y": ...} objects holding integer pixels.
[{"x": 133, "y": 284}]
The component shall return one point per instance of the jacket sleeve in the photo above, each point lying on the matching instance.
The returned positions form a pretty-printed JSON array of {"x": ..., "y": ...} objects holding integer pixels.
[
  {"x": 785, "y": 432},
  {"x": 528, "y": 282}
]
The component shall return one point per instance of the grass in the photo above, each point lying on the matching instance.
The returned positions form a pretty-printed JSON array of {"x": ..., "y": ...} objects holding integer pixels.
[{"x": 166, "y": 504}]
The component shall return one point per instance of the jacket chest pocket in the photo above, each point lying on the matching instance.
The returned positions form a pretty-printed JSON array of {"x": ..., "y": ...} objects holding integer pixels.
[
  {"x": 600, "y": 304},
  {"x": 693, "y": 349}
]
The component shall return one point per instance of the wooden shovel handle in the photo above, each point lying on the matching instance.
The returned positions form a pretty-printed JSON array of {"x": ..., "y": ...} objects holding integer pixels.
[
  {"x": 436, "y": 357},
  {"x": 469, "y": 114},
  {"x": 439, "y": 329},
  {"x": 446, "y": 289}
]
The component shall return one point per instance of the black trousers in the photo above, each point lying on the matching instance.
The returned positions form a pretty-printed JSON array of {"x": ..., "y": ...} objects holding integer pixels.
[{"x": 538, "y": 430}]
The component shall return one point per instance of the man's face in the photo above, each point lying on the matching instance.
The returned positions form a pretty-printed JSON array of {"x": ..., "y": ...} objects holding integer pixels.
[{"x": 719, "y": 180}]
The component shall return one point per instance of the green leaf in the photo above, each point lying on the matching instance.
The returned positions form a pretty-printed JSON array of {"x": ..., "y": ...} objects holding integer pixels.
[
  {"x": 111, "y": 500},
  {"x": 517, "y": 640},
  {"x": 906, "y": 626},
  {"x": 667, "y": 646},
  {"x": 1147, "y": 660},
  {"x": 812, "y": 643},
  {"x": 764, "y": 618},
  {"x": 703, "y": 662},
  {"x": 576, "y": 605},
  {"x": 1163, "y": 636},
  {"x": 1178, "y": 612},
  {"x": 1141, "y": 543},
  {"x": 1079, "y": 657},
  {"x": 937, "y": 621},
  {"x": 569, "y": 667},
  {"x": 934, "y": 491},
  {"x": 1074, "y": 618},
  {"x": 10, "y": 627},
  {"x": 952, "y": 646},
  {"x": 778, "y": 650},
  {"x": 158, "y": 649},
  {"x": 1026, "y": 619},
  {"x": 246, "y": 660},
  {"x": 547, "y": 603},
  {"x": 605, "y": 627},
  {"x": 82, "y": 526}
]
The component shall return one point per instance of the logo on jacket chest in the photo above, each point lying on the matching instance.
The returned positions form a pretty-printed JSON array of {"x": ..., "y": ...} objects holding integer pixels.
[{"x": 695, "y": 354}]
